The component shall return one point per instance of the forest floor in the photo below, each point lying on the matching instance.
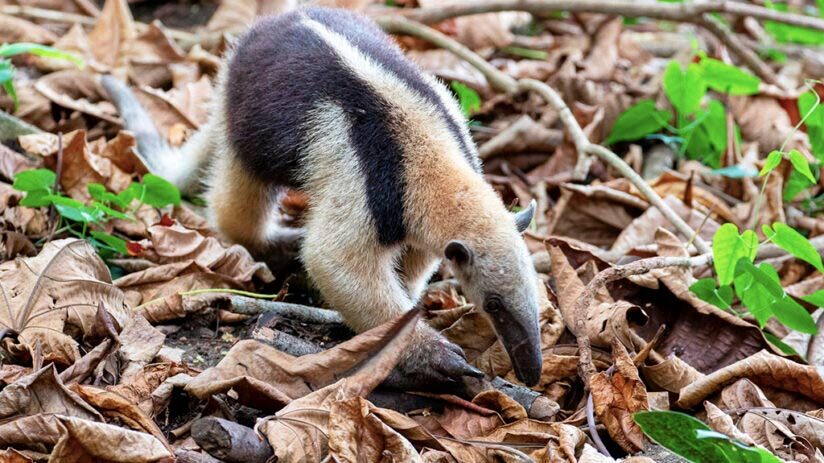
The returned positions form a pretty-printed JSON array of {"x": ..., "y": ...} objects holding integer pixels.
[{"x": 674, "y": 154}]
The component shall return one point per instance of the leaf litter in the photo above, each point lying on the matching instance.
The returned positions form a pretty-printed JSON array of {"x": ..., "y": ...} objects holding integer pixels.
[{"x": 118, "y": 356}]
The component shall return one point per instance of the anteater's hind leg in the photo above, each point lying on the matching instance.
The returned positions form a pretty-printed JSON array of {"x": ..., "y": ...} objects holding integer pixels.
[{"x": 245, "y": 211}]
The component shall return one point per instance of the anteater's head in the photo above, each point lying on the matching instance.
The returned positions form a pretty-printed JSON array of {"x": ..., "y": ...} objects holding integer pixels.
[{"x": 497, "y": 275}]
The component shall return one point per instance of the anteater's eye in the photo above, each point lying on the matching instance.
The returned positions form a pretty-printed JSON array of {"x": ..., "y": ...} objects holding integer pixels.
[{"x": 493, "y": 304}]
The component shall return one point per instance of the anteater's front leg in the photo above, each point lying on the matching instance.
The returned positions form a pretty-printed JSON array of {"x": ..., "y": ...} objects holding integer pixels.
[{"x": 358, "y": 278}]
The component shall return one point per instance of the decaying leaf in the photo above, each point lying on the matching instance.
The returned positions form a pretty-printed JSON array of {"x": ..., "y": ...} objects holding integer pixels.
[{"x": 44, "y": 295}]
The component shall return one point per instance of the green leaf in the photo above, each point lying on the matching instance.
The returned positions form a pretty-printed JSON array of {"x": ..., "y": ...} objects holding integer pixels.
[
  {"x": 132, "y": 192},
  {"x": 118, "y": 244},
  {"x": 73, "y": 209},
  {"x": 787, "y": 33},
  {"x": 706, "y": 290},
  {"x": 7, "y": 80},
  {"x": 708, "y": 140},
  {"x": 726, "y": 78},
  {"x": 99, "y": 192},
  {"x": 795, "y": 185},
  {"x": 759, "y": 288},
  {"x": 781, "y": 345},
  {"x": 695, "y": 441},
  {"x": 814, "y": 122},
  {"x": 39, "y": 50},
  {"x": 788, "y": 239},
  {"x": 754, "y": 296},
  {"x": 37, "y": 198},
  {"x": 159, "y": 192},
  {"x": 773, "y": 160},
  {"x": 816, "y": 298},
  {"x": 793, "y": 315},
  {"x": 111, "y": 213},
  {"x": 728, "y": 247},
  {"x": 684, "y": 89},
  {"x": 468, "y": 98},
  {"x": 638, "y": 121},
  {"x": 800, "y": 164},
  {"x": 35, "y": 179}
]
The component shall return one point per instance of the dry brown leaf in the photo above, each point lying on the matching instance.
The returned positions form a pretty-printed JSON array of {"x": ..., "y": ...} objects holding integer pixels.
[
  {"x": 673, "y": 374},
  {"x": 603, "y": 56},
  {"x": 120, "y": 409},
  {"x": 762, "y": 119},
  {"x": 42, "y": 392},
  {"x": 13, "y": 30},
  {"x": 152, "y": 53},
  {"x": 723, "y": 423},
  {"x": 60, "y": 287},
  {"x": 12, "y": 162},
  {"x": 139, "y": 344},
  {"x": 83, "y": 441},
  {"x": 617, "y": 397},
  {"x": 298, "y": 431},
  {"x": 267, "y": 378},
  {"x": 235, "y": 15},
  {"x": 449, "y": 67},
  {"x": 642, "y": 230},
  {"x": 356, "y": 435},
  {"x": 139, "y": 388},
  {"x": 29, "y": 221},
  {"x": 80, "y": 91},
  {"x": 113, "y": 33},
  {"x": 764, "y": 369}
]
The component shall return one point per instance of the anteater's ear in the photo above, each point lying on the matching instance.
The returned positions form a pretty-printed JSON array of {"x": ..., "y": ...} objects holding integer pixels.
[
  {"x": 524, "y": 217},
  {"x": 458, "y": 252}
]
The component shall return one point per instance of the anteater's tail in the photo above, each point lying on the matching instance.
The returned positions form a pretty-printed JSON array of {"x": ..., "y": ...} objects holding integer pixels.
[{"x": 180, "y": 166}]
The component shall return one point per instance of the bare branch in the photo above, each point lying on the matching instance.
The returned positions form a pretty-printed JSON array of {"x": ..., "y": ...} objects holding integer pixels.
[
  {"x": 698, "y": 13},
  {"x": 506, "y": 84},
  {"x": 682, "y": 12}
]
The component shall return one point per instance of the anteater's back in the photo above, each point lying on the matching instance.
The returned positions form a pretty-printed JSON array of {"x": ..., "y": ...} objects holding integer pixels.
[{"x": 291, "y": 66}]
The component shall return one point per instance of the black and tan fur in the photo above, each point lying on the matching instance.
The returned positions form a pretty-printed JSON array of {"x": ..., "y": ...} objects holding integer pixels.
[{"x": 321, "y": 101}]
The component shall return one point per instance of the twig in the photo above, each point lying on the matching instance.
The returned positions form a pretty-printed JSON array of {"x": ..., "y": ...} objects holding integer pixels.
[
  {"x": 506, "y": 84},
  {"x": 249, "y": 306},
  {"x": 593, "y": 431},
  {"x": 585, "y": 365},
  {"x": 815, "y": 349},
  {"x": 697, "y": 12}
]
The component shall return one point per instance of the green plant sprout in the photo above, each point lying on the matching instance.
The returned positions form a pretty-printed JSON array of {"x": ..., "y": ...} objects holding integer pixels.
[
  {"x": 695, "y": 441},
  {"x": 83, "y": 220},
  {"x": 699, "y": 132},
  {"x": 7, "y": 70},
  {"x": 758, "y": 288}
]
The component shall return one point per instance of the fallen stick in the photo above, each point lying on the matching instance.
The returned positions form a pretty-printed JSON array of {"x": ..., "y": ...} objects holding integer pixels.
[
  {"x": 699, "y": 13},
  {"x": 230, "y": 442},
  {"x": 250, "y": 306}
]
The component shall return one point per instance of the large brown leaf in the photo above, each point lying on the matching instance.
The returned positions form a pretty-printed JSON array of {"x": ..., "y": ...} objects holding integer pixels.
[
  {"x": 62, "y": 286},
  {"x": 617, "y": 397}
]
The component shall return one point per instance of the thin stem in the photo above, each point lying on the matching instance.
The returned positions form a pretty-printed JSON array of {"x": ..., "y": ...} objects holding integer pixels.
[{"x": 211, "y": 290}]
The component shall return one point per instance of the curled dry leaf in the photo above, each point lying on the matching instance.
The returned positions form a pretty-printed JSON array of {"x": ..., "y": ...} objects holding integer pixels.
[
  {"x": 61, "y": 287},
  {"x": 268, "y": 378},
  {"x": 723, "y": 423},
  {"x": 356, "y": 434},
  {"x": 12, "y": 162},
  {"x": 617, "y": 396},
  {"x": 300, "y": 430},
  {"x": 764, "y": 369},
  {"x": 673, "y": 374},
  {"x": 80, "y": 91},
  {"x": 14, "y": 30},
  {"x": 111, "y": 36}
]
